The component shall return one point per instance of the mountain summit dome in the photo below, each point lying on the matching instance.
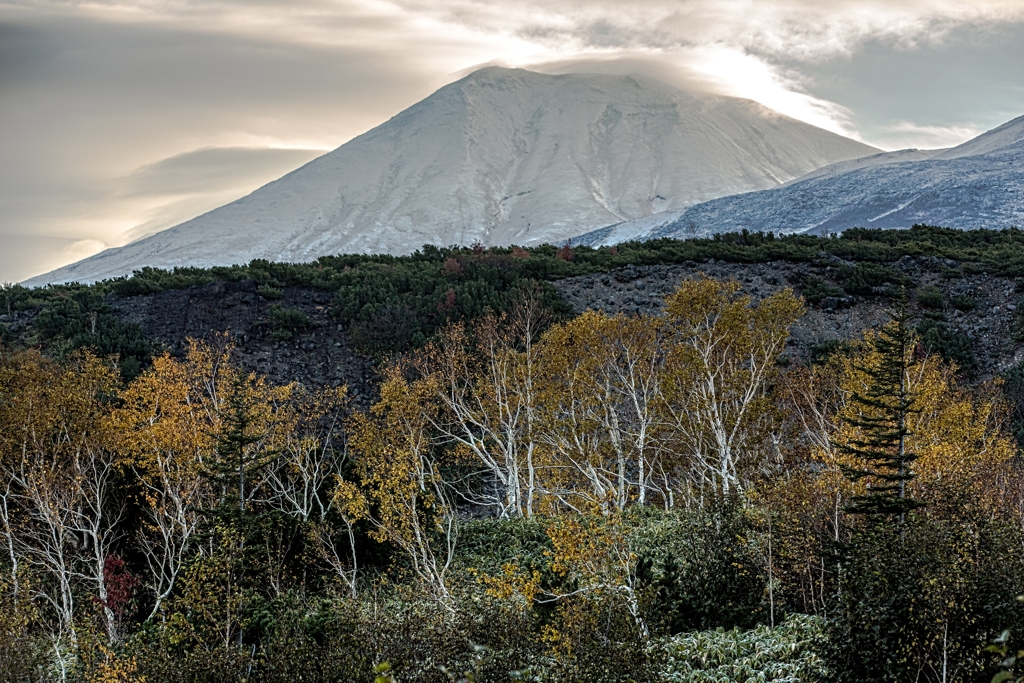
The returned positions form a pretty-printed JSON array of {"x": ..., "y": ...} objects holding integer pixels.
[{"x": 502, "y": 156}]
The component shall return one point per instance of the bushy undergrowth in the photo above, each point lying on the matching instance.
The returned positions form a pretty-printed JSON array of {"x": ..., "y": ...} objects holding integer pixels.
[
  {"x": 284, "y": 322},
  {"x": 955, "y": 346},
  {"x": 815, "y": 290},
  {"x": 788, "y": 653},
  {"x": 82, "y": 319},
  {"x": 930, "y": 297},
  {"x": 920, "y": 601}
]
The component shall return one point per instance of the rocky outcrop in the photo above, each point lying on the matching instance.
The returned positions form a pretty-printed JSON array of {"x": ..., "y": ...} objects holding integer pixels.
[{"x": 318, "y": 355}]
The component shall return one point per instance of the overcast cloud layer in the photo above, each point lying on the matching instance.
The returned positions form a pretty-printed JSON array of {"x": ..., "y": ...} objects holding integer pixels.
[{"x": 119, "y": 119}]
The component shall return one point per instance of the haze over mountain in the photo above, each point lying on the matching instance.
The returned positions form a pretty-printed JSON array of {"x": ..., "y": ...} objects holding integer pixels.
[
  {"x": 502, "y": 156},
  {"x": 979, "y": 184}
]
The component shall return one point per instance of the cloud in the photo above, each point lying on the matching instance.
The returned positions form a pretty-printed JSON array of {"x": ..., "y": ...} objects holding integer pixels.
[
  {"x": 173, "y": 190},
  {"x": 808, "y": 28},
  {"x": 80, "y": 249},
  {"x": 722, "y": 70},
  {"x": 906, "y": 134},
  {"x": 213, "y": 170},
  {"x": 100, "y": 122}
]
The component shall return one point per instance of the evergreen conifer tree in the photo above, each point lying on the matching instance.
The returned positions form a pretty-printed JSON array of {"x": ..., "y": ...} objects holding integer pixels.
[
  {"x": 237, "y": 462},
  {"x": 881, "y": 415},
  {"x": 233, "y": 523}
]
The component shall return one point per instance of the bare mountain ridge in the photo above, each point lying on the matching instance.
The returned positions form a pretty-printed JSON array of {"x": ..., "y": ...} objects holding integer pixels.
[{"x": 502, "y": 156}]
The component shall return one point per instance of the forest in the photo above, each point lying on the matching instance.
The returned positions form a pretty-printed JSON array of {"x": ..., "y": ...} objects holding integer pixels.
[{"x": 531, "y": 496}]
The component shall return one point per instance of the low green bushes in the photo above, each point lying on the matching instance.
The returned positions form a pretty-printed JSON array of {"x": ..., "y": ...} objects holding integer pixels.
[
  {"x": 393, "y": 303},
  {"x": 963, "y": 302},
  {"x": 955, "y": 346},
  {"x": 930, "y": 297},
  {"x": 870, "y": 279},
  {"x": 284, "y": 322},
  {"x": 788, "y": 653},
  {"x": 815, "y": 290}
]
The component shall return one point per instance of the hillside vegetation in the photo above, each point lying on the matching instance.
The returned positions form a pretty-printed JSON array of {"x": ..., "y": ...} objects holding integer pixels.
[
  {"x": 531, "y": 496},
  {"x": 392, "y": 304}
]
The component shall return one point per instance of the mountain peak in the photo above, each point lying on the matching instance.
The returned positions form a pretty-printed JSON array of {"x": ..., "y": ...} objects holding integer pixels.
[
  {"x": 495, "y": 72},
  {"x": 502, "y": 156}
]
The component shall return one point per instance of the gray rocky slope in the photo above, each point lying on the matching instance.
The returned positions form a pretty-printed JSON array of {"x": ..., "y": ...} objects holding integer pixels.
[{"x": 979, "y": 184}]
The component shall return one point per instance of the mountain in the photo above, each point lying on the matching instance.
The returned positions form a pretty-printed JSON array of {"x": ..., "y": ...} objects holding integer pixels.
[
  {"x": 979, "y": 184},
  {"x": 502, "y": 156}
]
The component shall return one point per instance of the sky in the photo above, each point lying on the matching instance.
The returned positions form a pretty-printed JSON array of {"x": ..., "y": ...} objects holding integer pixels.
[{"x": 121, "y": 118}]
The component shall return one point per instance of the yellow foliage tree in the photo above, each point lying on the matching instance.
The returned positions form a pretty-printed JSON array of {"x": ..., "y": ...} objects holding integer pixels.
[
  {"x": 57, "y": 465},
  {"x": 483, "y": 380},
  {"x": 600, "y": 399},
  {"x": 597, "y": 554},
  {"x": 719, "y": 369},
  {"x": 200, "y": 432},
  {"x": 410, "y": 501}
]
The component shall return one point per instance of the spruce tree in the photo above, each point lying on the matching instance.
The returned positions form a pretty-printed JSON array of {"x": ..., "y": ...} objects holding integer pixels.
[
  {"x": 881, "y": 415},
  {"x": 231, "y": 524},
  {"x": 236, "y": 461}
]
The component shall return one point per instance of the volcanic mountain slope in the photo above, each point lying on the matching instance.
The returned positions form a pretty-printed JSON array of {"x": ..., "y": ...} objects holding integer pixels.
[
  {"x": 979, "y": 184},
  {"x": 499, "y": 157}
]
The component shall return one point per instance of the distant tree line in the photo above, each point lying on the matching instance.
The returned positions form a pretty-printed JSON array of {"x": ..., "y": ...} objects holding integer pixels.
[{"x": 395, "y": 303}]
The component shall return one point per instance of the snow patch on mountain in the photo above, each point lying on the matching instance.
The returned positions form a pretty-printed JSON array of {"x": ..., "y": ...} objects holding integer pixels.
[
  {"x": 882, "y": 159},
  {"x": 996, "y": 139}
]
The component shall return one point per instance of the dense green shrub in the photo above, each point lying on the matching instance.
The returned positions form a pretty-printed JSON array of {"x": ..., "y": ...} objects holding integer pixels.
[
  {"x": 963, "y": 302},
  {"x": 342, "y": 639},
  {"x": 955, "y": 346},
  {"x": 20, "y": 298},
  {"x": 285, "y": 322},
  {"x": 821, "y": 352},
  {"x": 594, "y": 638},
  {"x": 83, "y": 320},
  {"x": 701, "y": 568},
  {"x": 870, "y": 279},
  {"x": 269, "y": 292},
  {"x": 23, "y": 648},
  {"x": 930, "y": 297},
  {"x": 788, "y": 653},
  {"x": 814, "y": 289},
  {"x": 487, "y": 544},
  {"x": 921, "y": 597}
]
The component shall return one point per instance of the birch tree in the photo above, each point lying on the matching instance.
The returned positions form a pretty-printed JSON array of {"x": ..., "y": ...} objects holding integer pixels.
[
  {"x": 719, "y": 373},
  {"x": 484, "y": 379},
  {"x": 61, "y": 516},
  {"x": 165, "y": 432},
  {"x": 411, "y": 503},
  {"x": 307, "y": 479}
]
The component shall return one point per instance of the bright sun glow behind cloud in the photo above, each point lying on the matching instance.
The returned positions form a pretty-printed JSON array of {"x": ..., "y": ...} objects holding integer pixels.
[
  {"x": 729, "y": 46},
  {"x": 734, "y": 72}
]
